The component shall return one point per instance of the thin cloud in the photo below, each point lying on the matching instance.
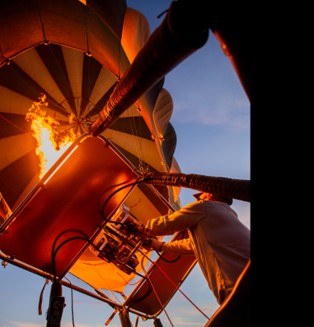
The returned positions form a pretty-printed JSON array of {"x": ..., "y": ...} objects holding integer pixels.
[
  {"x": 64, "y": 324},
  {"x": 225, "y": 112},
  {"x": 21, "y": 324}
]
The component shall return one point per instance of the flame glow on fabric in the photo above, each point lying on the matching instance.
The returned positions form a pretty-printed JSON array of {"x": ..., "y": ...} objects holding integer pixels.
[{"x": 70, "y": 206}]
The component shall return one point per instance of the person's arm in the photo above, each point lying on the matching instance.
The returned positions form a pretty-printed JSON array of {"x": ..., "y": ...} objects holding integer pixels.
[
  {"x": 178, "y": 221},
  {"x": 183, "y": 246}
]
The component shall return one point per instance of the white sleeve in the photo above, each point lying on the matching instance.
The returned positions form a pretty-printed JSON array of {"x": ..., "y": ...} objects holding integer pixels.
[
  {"x": 183, "y": 246},
  {"x": 178, "y": 221}
]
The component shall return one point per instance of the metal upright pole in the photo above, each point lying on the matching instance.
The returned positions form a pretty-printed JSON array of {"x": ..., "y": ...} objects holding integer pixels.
[{"x": 124, "y": 318}]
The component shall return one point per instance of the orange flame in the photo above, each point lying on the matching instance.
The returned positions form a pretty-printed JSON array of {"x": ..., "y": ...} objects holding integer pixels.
[{"x": 51, "y": 140}]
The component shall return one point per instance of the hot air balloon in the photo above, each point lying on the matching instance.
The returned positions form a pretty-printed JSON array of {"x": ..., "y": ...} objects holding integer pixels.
[
  {"x": 85, "y": 67},
  {"x": 75, "y": 60},
  {"x": 72, "y": 55}
]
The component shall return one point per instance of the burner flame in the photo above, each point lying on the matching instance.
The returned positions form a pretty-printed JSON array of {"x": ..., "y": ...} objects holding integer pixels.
[{"x": 51, "y": 139}]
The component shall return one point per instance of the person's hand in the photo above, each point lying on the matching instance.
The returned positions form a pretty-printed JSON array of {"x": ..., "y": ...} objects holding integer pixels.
[
  {"x": 143, "y": 230},
  {"x": 156, "y": 244}
]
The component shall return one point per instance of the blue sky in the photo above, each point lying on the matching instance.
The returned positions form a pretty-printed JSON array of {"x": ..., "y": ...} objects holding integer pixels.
[{"x": 212, "y": 120}]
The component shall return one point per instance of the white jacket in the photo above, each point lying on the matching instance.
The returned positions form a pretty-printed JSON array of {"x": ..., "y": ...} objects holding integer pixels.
[{"x": 219, "y": 240}]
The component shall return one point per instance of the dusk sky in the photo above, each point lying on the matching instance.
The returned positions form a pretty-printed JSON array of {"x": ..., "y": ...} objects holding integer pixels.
[{"x": 211, "y": 117}]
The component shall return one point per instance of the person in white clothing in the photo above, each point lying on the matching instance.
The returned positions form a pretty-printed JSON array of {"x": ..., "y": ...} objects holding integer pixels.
[{"x": 217, "y": 238}]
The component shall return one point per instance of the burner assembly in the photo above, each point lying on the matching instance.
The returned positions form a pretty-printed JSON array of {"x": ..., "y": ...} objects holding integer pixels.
[{"x": 120, "y": 239}]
